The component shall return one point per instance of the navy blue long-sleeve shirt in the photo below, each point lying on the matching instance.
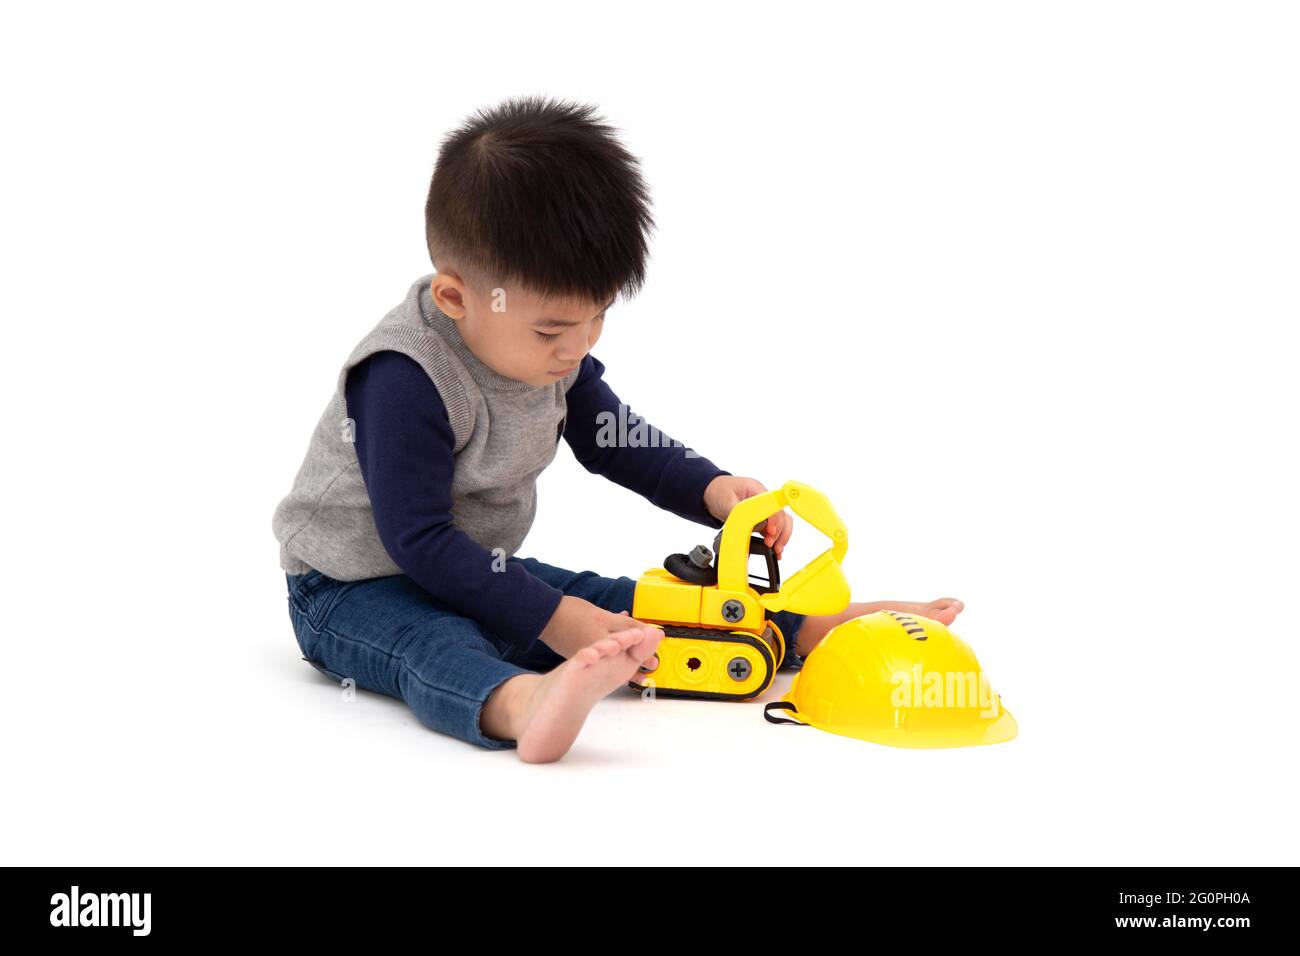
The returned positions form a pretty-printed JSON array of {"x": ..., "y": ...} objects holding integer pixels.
[{"x": 404, "y": 444}]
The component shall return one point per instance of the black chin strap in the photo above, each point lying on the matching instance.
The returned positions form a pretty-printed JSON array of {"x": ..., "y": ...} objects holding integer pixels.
[{"x": 781, "y": 705}]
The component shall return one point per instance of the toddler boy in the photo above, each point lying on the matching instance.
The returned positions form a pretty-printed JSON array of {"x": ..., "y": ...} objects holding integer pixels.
[{"x": 399, "y": 537}]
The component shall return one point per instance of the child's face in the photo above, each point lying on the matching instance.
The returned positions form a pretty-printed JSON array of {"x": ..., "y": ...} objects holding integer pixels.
[{"x": 520, "y": 335}]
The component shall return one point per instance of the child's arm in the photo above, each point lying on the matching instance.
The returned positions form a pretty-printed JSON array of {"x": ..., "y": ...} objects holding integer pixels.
[
  {"x": 404, "y": 444},
  {"x": 672, "y": 477},
  {"x": 598, "y": 428}
]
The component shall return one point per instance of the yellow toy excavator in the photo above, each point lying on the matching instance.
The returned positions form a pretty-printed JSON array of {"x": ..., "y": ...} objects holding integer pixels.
[{"x": 720, "y": 642}]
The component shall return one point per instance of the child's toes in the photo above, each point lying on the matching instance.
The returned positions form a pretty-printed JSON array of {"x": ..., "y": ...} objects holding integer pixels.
[
  {"x": 645, "y": 648},
  {"x": 607, "y": 646},
  {"x": 944, "y": 610},
  {"x": 627, "y": 638}
]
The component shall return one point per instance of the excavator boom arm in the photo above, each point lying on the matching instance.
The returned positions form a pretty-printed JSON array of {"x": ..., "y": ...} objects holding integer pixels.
[{"x": 819, "y": 587}]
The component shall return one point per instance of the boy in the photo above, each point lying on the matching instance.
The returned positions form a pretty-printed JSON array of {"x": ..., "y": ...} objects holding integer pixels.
[{"x": 398, "y": 538}]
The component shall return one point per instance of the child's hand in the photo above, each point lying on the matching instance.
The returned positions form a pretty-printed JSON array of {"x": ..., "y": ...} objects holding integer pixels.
[
  {"x": 725, "y": 491},
  {"x": 577, "y": 624}
]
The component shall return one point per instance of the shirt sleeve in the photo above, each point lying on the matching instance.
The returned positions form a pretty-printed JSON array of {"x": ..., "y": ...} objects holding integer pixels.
[
  {"x": 609, "y": 439},
  {"x": 404, "y": 444}
]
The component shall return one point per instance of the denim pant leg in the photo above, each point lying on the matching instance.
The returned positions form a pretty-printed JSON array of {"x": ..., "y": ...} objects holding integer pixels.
[
  {"x": 615, "y": 594},
  {"x": 391, "y": 636},
  {"x": 789, "y": 622}
]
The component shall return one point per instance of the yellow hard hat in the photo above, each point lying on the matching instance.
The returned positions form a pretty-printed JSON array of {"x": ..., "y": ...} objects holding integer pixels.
[{"x": 897, "y": 679}]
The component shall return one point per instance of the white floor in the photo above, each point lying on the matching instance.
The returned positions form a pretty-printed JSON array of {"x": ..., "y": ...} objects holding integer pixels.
[
  {"x": 254, "y": 757},
  {"x": 1012, "y": 283}
]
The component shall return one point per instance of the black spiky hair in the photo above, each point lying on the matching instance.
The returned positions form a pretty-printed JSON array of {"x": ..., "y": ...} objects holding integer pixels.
[{"x": 540, "y": 192}]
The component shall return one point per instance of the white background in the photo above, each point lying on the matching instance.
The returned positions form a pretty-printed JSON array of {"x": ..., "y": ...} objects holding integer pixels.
[{"x": 1014, "y": 284}]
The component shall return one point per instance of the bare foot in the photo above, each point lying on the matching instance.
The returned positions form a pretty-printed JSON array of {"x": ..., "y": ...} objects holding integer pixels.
[
  {"x": 563, "y": 698},
  {"x": 943, "y": 610}
]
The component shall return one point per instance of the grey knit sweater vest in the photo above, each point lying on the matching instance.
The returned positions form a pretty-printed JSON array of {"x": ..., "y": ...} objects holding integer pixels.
[{"x": 505, "y": 436}]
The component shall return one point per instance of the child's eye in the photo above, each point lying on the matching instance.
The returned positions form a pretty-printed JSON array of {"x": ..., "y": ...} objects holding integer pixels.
[{"x": 552, "y": 336}]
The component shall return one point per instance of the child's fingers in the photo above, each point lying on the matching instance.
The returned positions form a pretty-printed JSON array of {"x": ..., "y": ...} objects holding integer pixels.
[
  {"x": 777, "y": 531},
  {"x": 772, "y": 530}
]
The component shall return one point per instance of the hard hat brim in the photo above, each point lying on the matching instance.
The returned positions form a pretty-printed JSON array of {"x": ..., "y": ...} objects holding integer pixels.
[{"x": 993, "y": 731}]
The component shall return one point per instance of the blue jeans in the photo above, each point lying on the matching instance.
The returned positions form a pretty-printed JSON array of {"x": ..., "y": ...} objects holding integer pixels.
[{"x": 390, "y": 635}]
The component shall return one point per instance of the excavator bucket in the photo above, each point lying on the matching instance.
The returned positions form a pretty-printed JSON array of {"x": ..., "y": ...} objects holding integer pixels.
[{"x": 818, "y": 588}]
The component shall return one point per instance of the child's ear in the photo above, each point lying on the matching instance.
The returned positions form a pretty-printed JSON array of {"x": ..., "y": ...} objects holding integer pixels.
[{"x": 448, "y": 294}]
